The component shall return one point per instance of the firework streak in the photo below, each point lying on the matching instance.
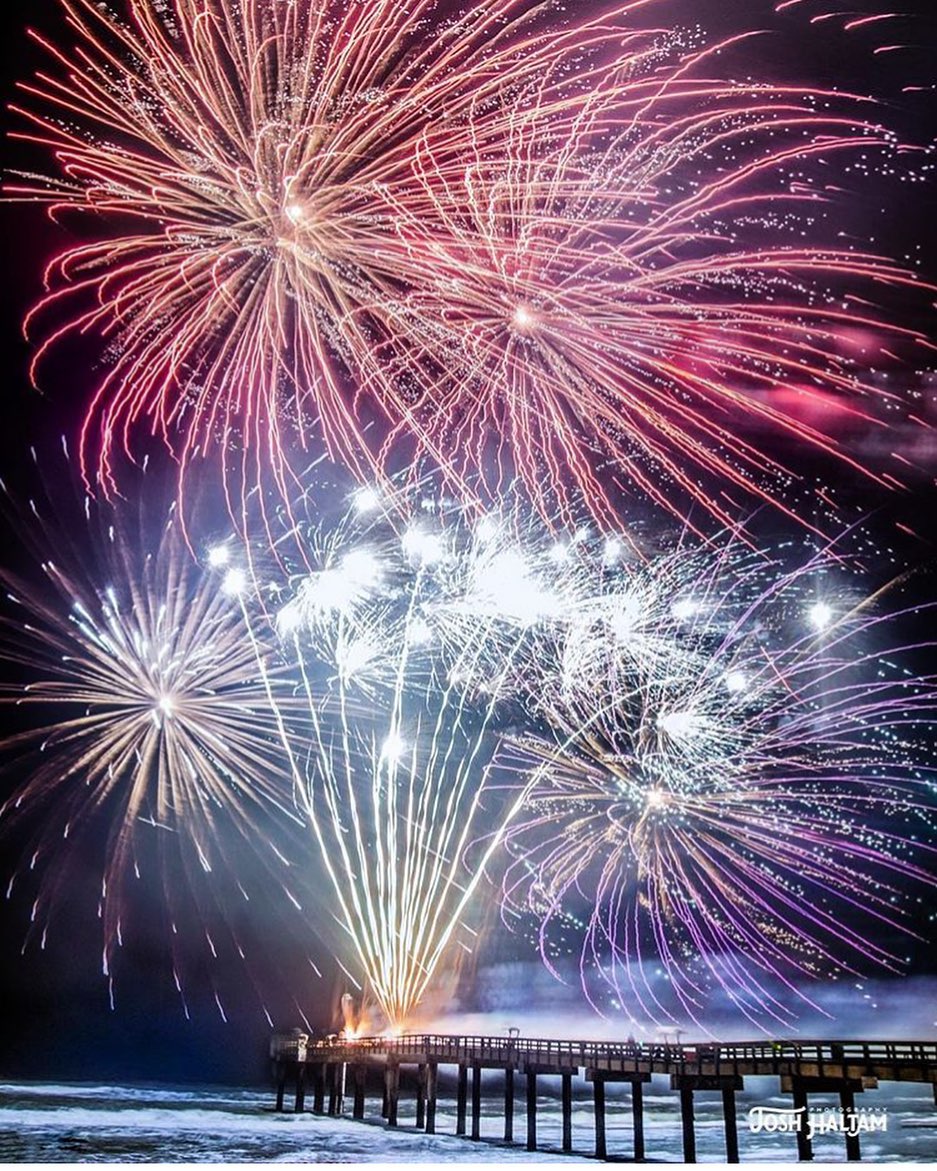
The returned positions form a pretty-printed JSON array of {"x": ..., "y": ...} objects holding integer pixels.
[
  {"x": 883, "y": 30},
  {"x": 547, "y": 251}
]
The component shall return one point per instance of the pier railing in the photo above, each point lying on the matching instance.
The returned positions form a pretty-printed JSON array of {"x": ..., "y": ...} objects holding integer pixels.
[{"x": 550, "y": 1051}]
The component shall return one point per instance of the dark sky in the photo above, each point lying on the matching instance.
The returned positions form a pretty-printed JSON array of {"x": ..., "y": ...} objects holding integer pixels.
[{"x": 56, "y": 1021}]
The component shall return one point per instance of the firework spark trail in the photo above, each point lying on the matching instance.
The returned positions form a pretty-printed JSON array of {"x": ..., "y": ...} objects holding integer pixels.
[
  {"x": 882, "y": 29},
  {"x": 615, "y": 295},
  {"x": 738, "y": 813},
  {"x": 405, "y": 888},
  {"x": 161, "y": 731}
]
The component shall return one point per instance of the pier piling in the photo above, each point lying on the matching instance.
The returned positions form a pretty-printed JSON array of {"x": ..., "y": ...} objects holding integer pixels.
[
  {"x": 299, "y": 1103},
  {"x": 509, "y": 1104},
  {"x": 392, "y": 1083},
  {"x": 567, "y": 1113},
  {"x": 804, "y": 1145},
  {"x": 531, "y": 1110},
  {"x": 598, "y": 1099},
  {"x": 421, "y": 1097},
  {"x": 686, "y": 1122},
  {"x": 333, "y": 1077},
  {"x": 360, "y": 1079},
  {"x": 847, "y": 1101},
  {"x": 432, "y": 1078},
  {"x": 731, "y": 1124},
  {"x": 461, "y": 1094},
  {"x": 637, "y": 1114}
]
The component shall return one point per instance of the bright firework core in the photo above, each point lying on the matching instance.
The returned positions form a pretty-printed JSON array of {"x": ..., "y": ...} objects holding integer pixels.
[
  {"x": 820, "y": 615},
  {"x": 678, "y": 724},
  {"x": 523, "y": 319}
]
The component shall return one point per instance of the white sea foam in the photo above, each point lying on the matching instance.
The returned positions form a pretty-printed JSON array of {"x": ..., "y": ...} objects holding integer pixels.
[{"x": 102, "y": 1123}]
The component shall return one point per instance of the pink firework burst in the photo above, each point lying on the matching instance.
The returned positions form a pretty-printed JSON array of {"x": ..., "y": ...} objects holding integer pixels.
[
  {"x": 235, "y": 164},
  {"x": 633, "y": 301}
]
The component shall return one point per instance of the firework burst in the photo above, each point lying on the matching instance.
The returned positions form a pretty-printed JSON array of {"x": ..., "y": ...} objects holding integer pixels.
[
  {"x": 620, "y": 296},
  {"x": 160, "y": 754},
  {"x": 242, "y": 160},
  {"x": 741, "y": 812},
  {"x": 404, "y": 701}
]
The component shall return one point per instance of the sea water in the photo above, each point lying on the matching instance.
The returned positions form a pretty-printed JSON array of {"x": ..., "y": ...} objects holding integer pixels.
[{"x": 42, "y": 1122}]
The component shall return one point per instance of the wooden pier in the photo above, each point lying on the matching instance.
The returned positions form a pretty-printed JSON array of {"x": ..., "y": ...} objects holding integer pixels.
[{"x": 846, "y": 1068}]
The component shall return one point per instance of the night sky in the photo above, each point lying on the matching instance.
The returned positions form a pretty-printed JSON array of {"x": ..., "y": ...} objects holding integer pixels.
[{"x": 56, "y": 1018}]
